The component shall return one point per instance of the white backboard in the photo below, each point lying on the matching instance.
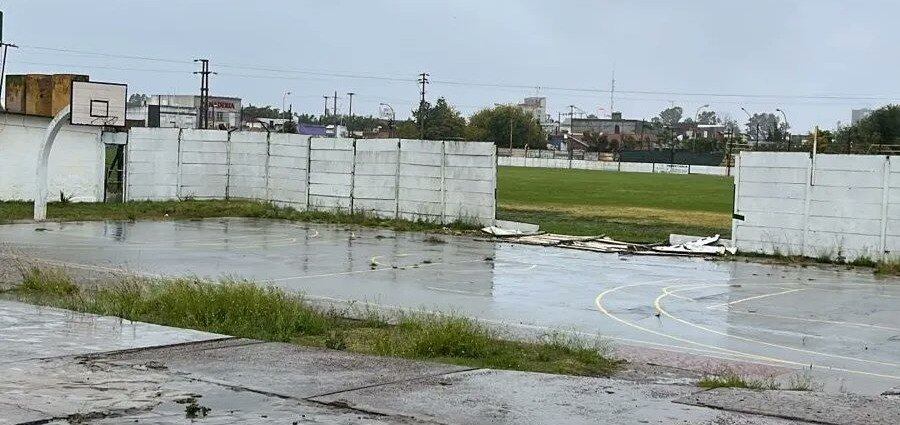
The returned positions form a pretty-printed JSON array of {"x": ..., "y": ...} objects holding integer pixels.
[{"x": 98, "y": 104}]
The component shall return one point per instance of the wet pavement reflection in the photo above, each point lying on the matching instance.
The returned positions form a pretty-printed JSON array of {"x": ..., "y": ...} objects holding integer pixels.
[{"x": 846, "y": 324}]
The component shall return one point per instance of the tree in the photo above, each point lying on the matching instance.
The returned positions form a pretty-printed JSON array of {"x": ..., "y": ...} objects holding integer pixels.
[
  {"x": 138, "y": 99},
  {"x": 494, "y": 125},
  {"x": 289, "y": 127},
  {"x": 708, "y": 118},
  {"x": 766, "y": 127},
  {"x": 407, "y": 130},
  {"x": 881, "y": 127},
  {"x": 440, "y": 122},
  {"x": 669, "y": 117},
  {"x": 250, "y": 112}
]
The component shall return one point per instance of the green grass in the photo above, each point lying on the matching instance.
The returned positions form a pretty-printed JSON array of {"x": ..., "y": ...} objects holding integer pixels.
[
  {"x": 636, "y": 207},
  {"x": 245, "y": 309},
  {"x": 194, "y": 209},
  {"x": 730, "y": 379}
]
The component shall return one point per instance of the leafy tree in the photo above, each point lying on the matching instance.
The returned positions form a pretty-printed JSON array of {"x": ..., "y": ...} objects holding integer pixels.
[
  {"x": 289, "y": 127},
  {"x": 669, "y": 117},
  {"x": 766, "y": 127},
  {"x": 407, "y": 130},
  {"x": 708, "y": 118},
  {"x": 138, "y": 99},
  {"x": 250, "y": 112},
  {"x": 880, "y": 127},
  {"x": 440, "y": 122},
  {"x": 494, "y": 125}
]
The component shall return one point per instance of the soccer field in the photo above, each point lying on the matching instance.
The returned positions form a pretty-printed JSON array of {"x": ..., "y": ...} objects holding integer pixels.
[{"x": 636, "y": 207}]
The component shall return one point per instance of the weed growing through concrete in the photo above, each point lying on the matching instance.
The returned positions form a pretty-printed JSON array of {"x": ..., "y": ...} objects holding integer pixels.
[
  {"x": 731, "y": 379},
  {"x": 432, "y": 239},
  {"x": 245, "y": 309}
]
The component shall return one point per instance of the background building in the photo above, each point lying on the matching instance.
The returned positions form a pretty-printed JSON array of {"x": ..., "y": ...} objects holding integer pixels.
[
  {"x": 857, "y": 115},
  {"x": 614, "y": 127},
  {"x": 183, "y": 111},
  {"x": 537, "y": 107}
]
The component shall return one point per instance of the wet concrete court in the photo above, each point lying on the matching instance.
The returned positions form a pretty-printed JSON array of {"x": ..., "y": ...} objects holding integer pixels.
[{"x": 844, "y": 324}]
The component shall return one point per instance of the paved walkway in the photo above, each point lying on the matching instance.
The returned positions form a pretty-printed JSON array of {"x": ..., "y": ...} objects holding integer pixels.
[{"x": 61, "y": 366}]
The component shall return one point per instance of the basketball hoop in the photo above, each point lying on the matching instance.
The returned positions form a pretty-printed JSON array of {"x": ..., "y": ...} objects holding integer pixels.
[{"x": 91, "y": 104}]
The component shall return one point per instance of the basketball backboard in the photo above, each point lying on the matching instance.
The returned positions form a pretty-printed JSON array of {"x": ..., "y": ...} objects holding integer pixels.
[{"x": 98, "y": 104}]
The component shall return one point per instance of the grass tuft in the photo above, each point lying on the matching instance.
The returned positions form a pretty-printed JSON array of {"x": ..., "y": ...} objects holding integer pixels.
[
  {"x": 49, "y": 282},
  {"x": 244, "y": 309},
  {"x": 733, "y": 380},
  {"x": 888, "y": 267},
  {"x": 730, "y": 379}
]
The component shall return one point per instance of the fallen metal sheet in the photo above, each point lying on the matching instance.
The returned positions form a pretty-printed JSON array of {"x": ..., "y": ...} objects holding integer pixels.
[{"x": 604, "y": 244}]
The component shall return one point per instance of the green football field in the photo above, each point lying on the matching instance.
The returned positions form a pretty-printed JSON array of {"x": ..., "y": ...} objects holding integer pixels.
[{"x": 634, "y": 207}]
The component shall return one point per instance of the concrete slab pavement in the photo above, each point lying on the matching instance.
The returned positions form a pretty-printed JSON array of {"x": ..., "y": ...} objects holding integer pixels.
[
  {"x": 33, "y": 332},
  {"x": 228, "y": 381},
  {"x": 843, "y": 323}
]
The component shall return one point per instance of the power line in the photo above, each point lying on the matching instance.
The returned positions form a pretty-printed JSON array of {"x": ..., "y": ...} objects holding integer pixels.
[{"x": 477, "y": 84}]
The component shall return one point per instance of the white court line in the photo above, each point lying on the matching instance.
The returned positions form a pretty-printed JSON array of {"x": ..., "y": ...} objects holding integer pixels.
[
  {"x": 657, "y": 303},
  {"x": 599, "y": 303},
  {"x": 755, "y": 298}
]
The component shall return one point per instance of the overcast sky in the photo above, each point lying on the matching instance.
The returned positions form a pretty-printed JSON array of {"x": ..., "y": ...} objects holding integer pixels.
[{"x": 820, "y": 57}]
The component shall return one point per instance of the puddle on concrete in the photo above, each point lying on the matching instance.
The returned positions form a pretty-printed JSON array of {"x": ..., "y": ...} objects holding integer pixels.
[{"x": 844, "y": 323}]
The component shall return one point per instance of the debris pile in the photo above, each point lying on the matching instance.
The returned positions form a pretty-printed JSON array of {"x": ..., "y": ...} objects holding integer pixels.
[{"x": 688, "y": 246}]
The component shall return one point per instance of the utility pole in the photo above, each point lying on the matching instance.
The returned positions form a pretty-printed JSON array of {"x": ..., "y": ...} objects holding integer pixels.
[
  {"x": 334, "y": 110},
  {"x": 423, "y": 80},
  {"x": 326, "y": 104},
  {"x": 5, "y": 46},
  {"x": 350, "y": 109},
  {"x": 204, "y": 91}
]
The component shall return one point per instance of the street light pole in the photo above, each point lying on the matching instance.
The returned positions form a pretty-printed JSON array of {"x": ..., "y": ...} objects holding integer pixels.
[
  {"x": 787, "y": 136},
  {"x": 391, "y": 122},
  {"x": 750, "y": 118},
  {"x": 284, "y": 100},
  {"x": 697, "y": 118}
]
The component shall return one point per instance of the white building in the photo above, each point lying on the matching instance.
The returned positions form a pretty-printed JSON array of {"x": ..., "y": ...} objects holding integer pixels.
[
  {"x": 537, "y": 107},
  {"x": 858, "y": 115},
  {"x": 162, "y": 116}
]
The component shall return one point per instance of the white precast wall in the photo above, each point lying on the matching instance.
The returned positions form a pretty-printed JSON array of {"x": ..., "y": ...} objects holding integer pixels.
[
  {"x": 203, "y": 162},
  {"x": 152, "y": 170},
  {"x": 288, "y": 170},
  {"x": 331, "y": 164},
  {"x": 411, "y": 179},
  {"x": 470, "y": 181},
  {"x": 247, "y": 171},
  {"x": 76, "y": 162},
  {"x": 840, "y": 206},
  {"x": 376, "y": 176}
]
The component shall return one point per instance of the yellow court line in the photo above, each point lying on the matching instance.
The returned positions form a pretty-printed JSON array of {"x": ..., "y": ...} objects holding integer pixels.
[
  {"x": 756, "y": 297},
  {"x": 657, "y": 303},
  {"x": 599, "y": 303}
]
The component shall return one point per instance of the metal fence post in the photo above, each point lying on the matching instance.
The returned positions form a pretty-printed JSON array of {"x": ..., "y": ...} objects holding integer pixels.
[
  {"x": 885, "y": 202},
  {"x": 397, "y": 183}
]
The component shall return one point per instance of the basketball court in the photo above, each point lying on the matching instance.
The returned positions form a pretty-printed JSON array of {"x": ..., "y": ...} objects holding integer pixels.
[{"x": 841, "y": 326}]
